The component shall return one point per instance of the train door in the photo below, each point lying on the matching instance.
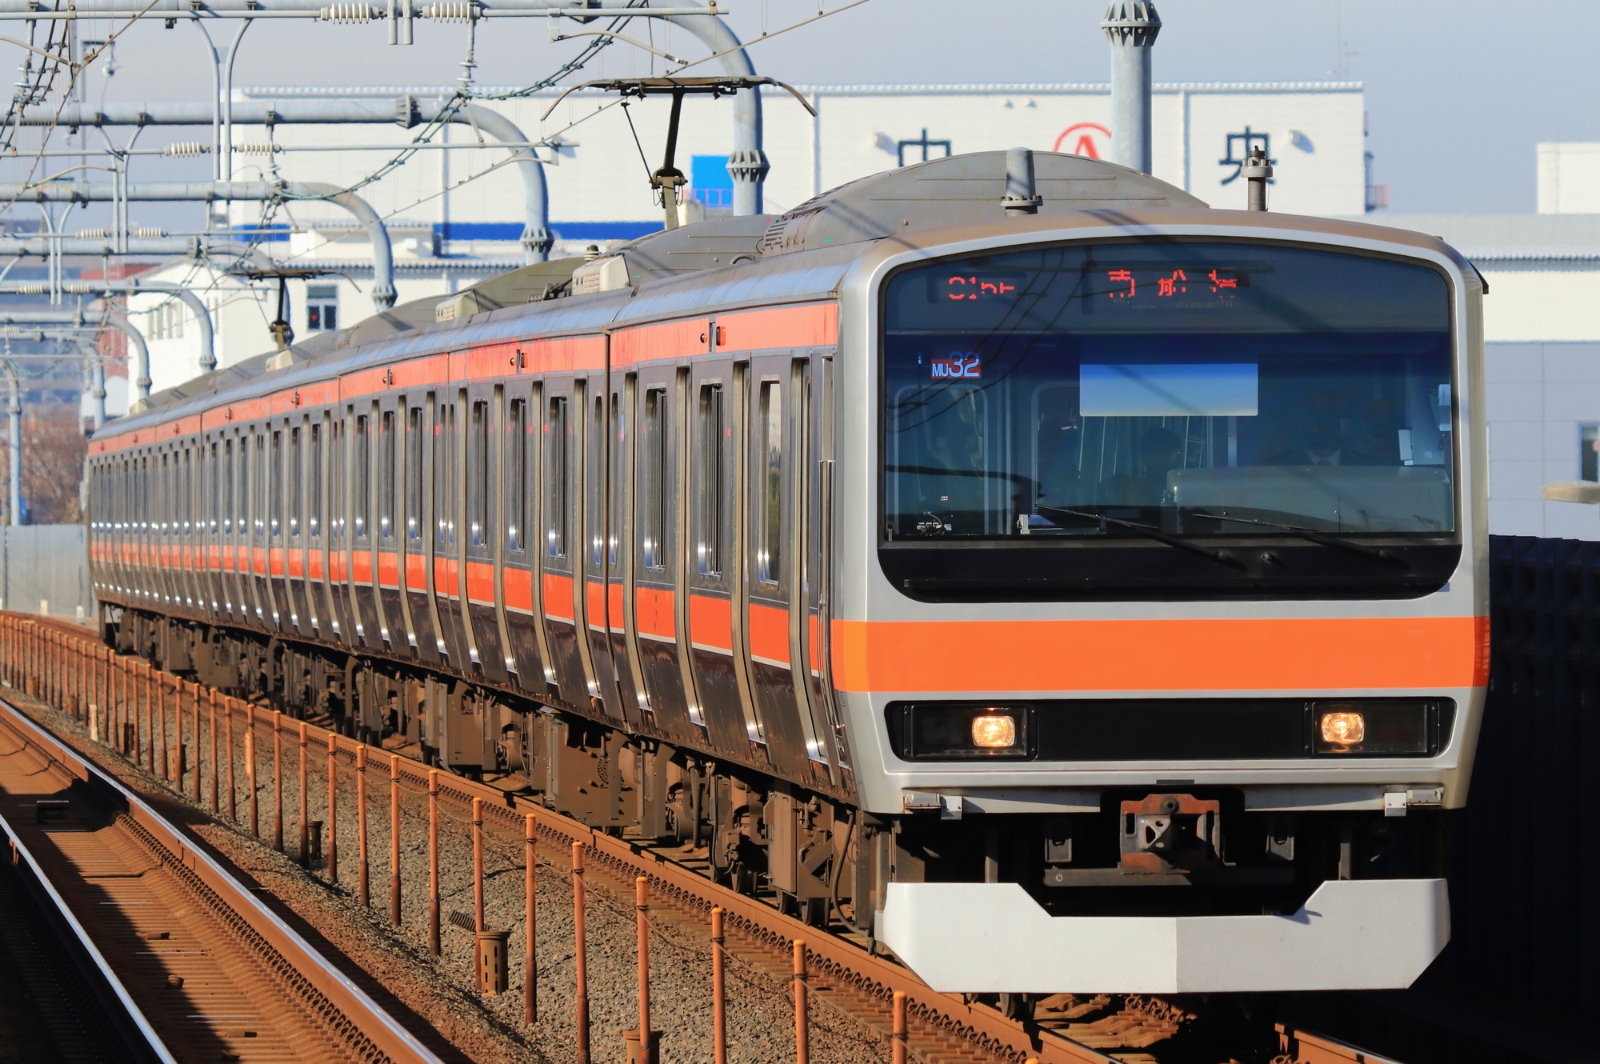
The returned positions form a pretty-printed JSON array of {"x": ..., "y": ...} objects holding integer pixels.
[
  {"x": 621, "y": 529},
  {"x": 446, "y": 563},
  {"x": 599, "y": 547},
  {"x": 209, "y": 501},
  {"x": 357, "y": 595},
  {"x": 228, "y": 501},
  {"x": 560, "y": 558},
  {"x": 660, "y": 636},
  {"x": 479, "y": 460},
  {"x": 322, "y": 519},
  {"x": 416, "y": 568},
  {"x": 387, "y": 525},
  {"x": 522, "y": 595},
  {"x": 715, "y": 491},
  {"x": 814, "y": 504},
  {"x": 776, "y": 593},
  {"x": 292, "y": 463}
]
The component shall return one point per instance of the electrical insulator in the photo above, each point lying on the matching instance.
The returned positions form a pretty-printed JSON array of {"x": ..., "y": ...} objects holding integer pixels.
[
  {"x": 261, "y": 148},
  {"x": 451, "y": 11},
  {"x": 148, "y": 233},
  {"x": 347, "y": 13},
  {"x": 188, "y": 147},
  {"x": 92, "y": 234}
]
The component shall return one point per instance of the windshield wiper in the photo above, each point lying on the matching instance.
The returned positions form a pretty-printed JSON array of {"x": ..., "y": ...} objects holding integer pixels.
[
  {"x": 1150, "y": 533},
  {"x": 1313, "y": 536}
]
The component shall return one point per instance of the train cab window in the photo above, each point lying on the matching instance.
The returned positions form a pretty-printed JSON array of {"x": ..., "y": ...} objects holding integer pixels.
[
  {"x": 769, "y": 529},
  {"x": 516, "y": 467},
  {"x": 314, "y": 483},
  {"x": 709, "y": 488},
  {"x": 414, "y": 516},
  {"x": 386, "y": 470},
  {"x": 653, "y": 478},
  {"x": 478, "y": 476},
  {"x": 558, "y": 459},
  {"x": 361, "y": 475},
  {"x": 1113, "y": 394}
]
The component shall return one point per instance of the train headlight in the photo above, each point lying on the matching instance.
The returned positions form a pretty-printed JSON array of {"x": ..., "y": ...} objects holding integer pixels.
[
  {"x": 1375, "y": 728},
  {"x": 961, "y": 731},
  {"x": 1342, "y": 728},
  {"x": 994, "y": 731}
]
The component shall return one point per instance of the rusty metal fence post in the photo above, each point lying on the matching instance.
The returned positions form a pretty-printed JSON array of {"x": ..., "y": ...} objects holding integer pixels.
[
  {"x": 802, "y": 1024},
  {"x": 194, "y": 713},
  {"x": 477, "y": 865},
  {"x": 433, "y": 861},
  {"x": 251, "y": 769},
  {"x": 332, "y": 834},
  {"x": 277, "y": 780},
  {"x": 719, "y": 1016},
  {"x": 305, "y": 830},
  {"x": 648, "y": 1046},
  {"x": 898, "y": 1048},
  {"x": 394, "y": 839},
  {"x": 216, "y": 766},
  {"x": 361, "y": 826},
  {"x": 530, "y": 969},
  {"x": 233, "y": 789},
  {"x": 580, "y": 960}
]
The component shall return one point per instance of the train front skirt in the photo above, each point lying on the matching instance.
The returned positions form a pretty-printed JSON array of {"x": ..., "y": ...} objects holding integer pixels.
[{"x": 1372, "y": 934}]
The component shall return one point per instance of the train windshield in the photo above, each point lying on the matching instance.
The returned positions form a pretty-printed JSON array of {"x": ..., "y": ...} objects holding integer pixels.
[{"x": 1184, "y": 389}]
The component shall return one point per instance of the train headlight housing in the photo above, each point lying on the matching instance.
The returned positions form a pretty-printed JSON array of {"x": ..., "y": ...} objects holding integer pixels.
[
  {"x": 960, "y": 731},
  {"x": 1377, "y": 728},
  {"x": 994, "y": 731}
]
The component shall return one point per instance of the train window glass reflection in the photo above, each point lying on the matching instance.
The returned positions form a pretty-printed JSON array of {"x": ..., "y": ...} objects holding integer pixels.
[
  {"x": 556, "y": 474},
  {"x": 516, "y": 442},
  {"x": 709, "y": 444},
  {"x": 1191, "y": 388},
  {"x": 770, "y": 465},
  {"x": 361, "y": 476},
  {"x": 653, "y": 477},
  {"x": 336, "y": 479},
  {"x": 594, "y": 465},
  {"x": 414, "y": 473},
  {"x": 386, "y": 469}
]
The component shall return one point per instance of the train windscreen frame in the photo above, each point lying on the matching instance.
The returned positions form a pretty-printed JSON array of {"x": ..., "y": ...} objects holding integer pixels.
[{"x": 1168, "y": 419}]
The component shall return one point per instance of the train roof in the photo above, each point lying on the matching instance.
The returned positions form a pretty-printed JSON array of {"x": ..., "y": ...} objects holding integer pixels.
[{"x": 801, "y": 255}]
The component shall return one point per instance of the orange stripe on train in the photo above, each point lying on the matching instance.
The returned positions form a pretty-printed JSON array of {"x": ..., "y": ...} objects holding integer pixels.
[{"x": 1162, "y": 655}]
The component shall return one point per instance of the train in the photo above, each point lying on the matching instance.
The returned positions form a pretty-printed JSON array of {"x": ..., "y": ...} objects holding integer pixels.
[{"x": 1061, "y": 583}]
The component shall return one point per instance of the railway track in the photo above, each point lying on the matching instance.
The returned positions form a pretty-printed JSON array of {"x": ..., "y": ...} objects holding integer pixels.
[
  {"x": 67, "y": 668},
  {"x": 203, "y": 969}
]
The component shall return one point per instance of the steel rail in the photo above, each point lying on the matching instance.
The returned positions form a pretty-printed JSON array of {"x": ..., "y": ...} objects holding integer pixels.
[{"x": 343, "y": 1003}]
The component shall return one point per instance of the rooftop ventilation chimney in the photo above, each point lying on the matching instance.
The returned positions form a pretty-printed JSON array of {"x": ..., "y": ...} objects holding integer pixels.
[{"x": 1131, "y": 27}]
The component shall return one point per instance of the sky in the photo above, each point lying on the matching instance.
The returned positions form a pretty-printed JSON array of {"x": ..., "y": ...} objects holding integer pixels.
[{"x": 1458, "y": 93}]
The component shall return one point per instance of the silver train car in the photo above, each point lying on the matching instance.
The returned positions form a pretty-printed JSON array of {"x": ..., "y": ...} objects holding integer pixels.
[{"x": 1091, "y": 599}]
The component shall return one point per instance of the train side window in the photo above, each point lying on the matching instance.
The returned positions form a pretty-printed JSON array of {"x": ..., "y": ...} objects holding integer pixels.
[
  {"x": 709, "y": 487},
  {"x": 297, "y": 476},
  {"x": 361, "y": 476},
  {"x": 769, "y": 560},
  {"x": 653, "y": 478},
  {"x": 275, "y": 505},
  {"x": 443, "y": 477},
  {"x": 386, "y": 470},
  {"x": 595, "y": 481},
  {"x": 516, "y": 466},
  {"x": 557, "y": 450},
  {"x": 336, "y": 478},
  {"x": 414, "y": 473},
  {"x": 478, "y": 475},
  {"x": 314, "y": 483}
]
